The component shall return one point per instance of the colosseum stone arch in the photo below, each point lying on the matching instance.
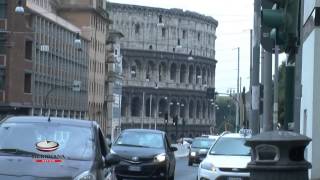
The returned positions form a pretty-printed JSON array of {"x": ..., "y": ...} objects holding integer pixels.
[{"x": 168, "y": 64}]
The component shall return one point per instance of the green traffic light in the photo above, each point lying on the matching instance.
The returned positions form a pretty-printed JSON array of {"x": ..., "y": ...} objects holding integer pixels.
[{"x": 272, "y": 18}]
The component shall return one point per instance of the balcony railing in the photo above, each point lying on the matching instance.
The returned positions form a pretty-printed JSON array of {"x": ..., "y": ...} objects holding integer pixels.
[{"x": 166, "y": 85}]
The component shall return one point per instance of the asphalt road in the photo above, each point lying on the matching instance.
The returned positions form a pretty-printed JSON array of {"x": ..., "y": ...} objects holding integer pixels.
[{"x": 183, "y": 171}]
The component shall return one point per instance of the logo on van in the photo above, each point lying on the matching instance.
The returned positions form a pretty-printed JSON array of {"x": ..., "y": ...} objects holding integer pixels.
[{"x": 47, "y": 146}]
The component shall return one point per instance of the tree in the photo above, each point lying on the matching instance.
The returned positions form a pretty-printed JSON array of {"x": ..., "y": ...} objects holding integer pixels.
[{"x": 225, "y": 113}]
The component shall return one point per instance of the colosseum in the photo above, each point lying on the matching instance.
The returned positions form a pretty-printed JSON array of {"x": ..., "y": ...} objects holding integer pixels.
[{"x": 168, "y": 66}]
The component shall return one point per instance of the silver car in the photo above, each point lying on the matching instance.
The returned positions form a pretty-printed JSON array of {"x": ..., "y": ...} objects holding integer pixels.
[{"x": 227, "y": 159}]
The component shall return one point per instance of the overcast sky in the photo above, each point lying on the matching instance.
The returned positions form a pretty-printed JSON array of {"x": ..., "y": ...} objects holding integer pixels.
[{"x": 235, "y": 19}]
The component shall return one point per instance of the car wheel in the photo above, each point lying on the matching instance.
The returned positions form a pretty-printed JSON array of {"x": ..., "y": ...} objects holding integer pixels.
[{"x": 190, "y": 163}]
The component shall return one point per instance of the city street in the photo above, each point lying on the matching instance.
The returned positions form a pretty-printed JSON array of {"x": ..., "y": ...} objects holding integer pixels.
[{"x": 185, "y": 172}]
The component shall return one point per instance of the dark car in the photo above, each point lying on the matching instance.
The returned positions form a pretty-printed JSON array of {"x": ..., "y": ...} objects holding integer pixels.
[
  {"x": 144, "y": 154},
  {"x": 33, "y": 148},
  {"x": 199, "y": 149}
]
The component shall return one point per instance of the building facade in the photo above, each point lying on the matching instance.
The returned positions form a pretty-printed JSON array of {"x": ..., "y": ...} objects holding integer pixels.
[
  {"x": 310, "y": 99},
  {"x": 93, "y": 20},
  {"x": 168, "y": 65},
  {"x": 114, "y": 84},
  {"x": 40, "y": 62}
]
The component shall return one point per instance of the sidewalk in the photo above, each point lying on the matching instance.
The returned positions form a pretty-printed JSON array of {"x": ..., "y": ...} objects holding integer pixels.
[{"x": 182, "y": 151}]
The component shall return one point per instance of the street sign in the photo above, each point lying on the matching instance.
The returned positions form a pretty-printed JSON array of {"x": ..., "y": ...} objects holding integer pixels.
[
  {"x": 44, "y": 48},
  {"x": 76, "y": 86}
]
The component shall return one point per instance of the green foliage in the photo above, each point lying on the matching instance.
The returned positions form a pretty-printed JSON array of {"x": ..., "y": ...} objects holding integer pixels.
[{"x": 225, "y": 114}]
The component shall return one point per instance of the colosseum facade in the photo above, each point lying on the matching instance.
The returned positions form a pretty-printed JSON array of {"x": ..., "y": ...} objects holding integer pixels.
[{"x": 168, "y": 65}]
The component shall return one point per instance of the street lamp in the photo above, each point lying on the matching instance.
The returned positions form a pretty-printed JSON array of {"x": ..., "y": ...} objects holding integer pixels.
[
  {"x": 19, "y": 9},
  {"x": 77, "y": 41},
  {"x": 190, "y": 58}
]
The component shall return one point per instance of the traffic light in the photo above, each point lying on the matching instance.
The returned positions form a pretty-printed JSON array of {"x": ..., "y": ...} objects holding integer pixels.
[
  {"x": 175, "y": 120},
  {"x": 282, "y": 17},
  {"x": 261, "y": 100},
  {"x": 211, "y": 94}
]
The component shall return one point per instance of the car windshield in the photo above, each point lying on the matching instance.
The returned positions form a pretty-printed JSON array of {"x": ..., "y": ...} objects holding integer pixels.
[
  {"x": 202, "y": 143},
  {"x": 74, "y": 142},
  {"x": 141, "y": 139},
  {"x": 230, "y": 146}
]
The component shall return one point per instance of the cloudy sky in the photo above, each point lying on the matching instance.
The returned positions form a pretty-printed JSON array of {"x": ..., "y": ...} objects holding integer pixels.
[{"x": 235, "y": 19}]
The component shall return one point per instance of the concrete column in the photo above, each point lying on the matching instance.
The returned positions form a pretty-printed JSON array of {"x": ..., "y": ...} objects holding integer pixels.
[
  {"x": 156, "y": 73},
  {"x": 178, "y": 73},
  {"x": 187, "y": 74},
  {"x": 128, "y": 115}
]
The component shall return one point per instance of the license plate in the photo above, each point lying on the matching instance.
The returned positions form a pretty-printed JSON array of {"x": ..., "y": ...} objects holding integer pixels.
[
  {"x": 234, "y": 178},
  {"x": 134, "y": 168}
]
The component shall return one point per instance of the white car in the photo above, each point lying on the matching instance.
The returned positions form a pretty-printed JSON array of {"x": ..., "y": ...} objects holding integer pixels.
[{"x": 227, "y": 159}]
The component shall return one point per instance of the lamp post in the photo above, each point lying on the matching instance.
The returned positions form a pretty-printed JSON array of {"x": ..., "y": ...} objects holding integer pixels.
[
  {"x": 19, "y": 9},
  {"x": 75, "y": 87}
]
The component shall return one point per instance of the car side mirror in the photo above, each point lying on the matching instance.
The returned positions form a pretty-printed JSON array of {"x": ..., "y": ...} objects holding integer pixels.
[
  {"x": 111, "y": 160},
  {"x": 109, "y": 144},
  {"x": 172, "y": 148}
]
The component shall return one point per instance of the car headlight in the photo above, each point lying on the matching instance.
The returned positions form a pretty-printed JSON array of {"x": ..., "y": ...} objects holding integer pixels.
[
  {"x": 87, "y": 175},
  {"x": 193, "y": 153},
  {"x": 112, "y": 151},
  {"x": 208, "y": 166},
  {"x": 160, "y": 158}
]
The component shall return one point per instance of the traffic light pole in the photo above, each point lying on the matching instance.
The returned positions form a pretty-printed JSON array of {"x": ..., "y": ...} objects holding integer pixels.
[
  {"x": 267, "y": 92},
  {"x": 276, "y": 86},
  {"x": 255, "y": 90},
  {"x": 289, "y": 105}
]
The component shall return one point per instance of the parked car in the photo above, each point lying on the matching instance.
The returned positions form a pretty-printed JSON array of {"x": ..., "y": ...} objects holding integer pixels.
[
  {"x": 199, "y": 149},
  {"x": 144, "y": 154},
  {"x": 226, "y": 159},
  {"x": 53, "y": 148}
]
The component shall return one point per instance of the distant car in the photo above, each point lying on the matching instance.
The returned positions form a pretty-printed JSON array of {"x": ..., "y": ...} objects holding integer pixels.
[
  {"x": 226, "y": 159},
  {"x": 185, "y": 140},
  {"x": 144, "y": 154},
  {"x": 52, "y": 148},
  {"x": 199, "y": 149}
]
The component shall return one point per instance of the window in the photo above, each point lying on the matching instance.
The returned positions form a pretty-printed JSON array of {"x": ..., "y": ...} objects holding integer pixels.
[
  {"x": 137, "y": 28},
  {"x": 160, "y": 18},
  {"x": 2, "y": 78},
  {"x": 184, "y": 34},
  {"x": 2, "y": 41},
  {"x": 27, "y": 83},
  {"x": 163, "y": 30},
  {"x": 3, "y": 8},
  {"x": 199, "y": 35},
  {"x": 28, "y": 49}
]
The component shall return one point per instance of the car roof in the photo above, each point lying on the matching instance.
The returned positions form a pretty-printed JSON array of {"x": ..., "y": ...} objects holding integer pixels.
[
  {"x": 43, "y": 119},
  {"x": 144, "y": 131},
  {"x": 203, "y": 138},
  {"x": 235, "y": 135}
]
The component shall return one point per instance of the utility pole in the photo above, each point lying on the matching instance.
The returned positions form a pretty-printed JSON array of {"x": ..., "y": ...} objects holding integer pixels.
[
  {"x": 238, "y": 91},
  {"x": 143, "y": 109},
  {"x": 255, "y": 90},
  {"x": 267, "y": 92},
  {"x": 250, "y": 87}
]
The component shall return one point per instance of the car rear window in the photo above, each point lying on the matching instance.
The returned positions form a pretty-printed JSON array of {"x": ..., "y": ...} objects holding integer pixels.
[
  {"x": 74, "y": 142},
  {"x": 230, "y": 146},
  {"x": 140, "y": 139}
]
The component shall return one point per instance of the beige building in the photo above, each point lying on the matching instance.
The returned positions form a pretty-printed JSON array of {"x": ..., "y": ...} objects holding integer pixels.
[
  {"x": 93, "y": 20},
  {"x": 40, "y": 62}
]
